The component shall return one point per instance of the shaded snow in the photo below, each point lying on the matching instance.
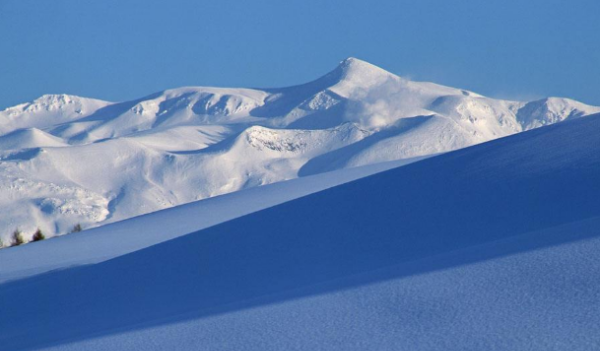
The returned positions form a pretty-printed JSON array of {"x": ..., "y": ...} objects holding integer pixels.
[
  {"x": 112, "y": 240},
  {"x": 490, "y": 247}
]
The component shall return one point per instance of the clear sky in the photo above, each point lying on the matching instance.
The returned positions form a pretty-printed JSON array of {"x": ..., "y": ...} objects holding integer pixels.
[{"x": 124, "y": 49}]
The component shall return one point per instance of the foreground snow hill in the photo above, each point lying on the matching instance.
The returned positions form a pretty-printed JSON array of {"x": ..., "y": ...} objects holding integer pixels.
[
  {"x": 67, "y": 160},
  {"x": 492, "y": 247},
  {"x": 120, "y": 238}
]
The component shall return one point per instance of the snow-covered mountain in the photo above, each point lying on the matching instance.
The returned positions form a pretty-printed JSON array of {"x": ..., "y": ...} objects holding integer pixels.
[
  {"x": 492, "y": 247},
  {"x": 67, "y": 160}
]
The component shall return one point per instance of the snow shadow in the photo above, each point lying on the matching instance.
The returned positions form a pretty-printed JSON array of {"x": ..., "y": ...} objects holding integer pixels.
[
  {"x": 23, "y": 155},
  {"x": 284, "y": 100},
  {"x": 391, "y": 223},
  {"x": 339, "y": 158}
]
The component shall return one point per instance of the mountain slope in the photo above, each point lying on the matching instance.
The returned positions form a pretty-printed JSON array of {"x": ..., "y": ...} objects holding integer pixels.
[
  {"x": 48, "y": 110},
  {"x": 468, "y": 250},
  {"x": 117, "y": 239},
  {"x": 67, "y": 160}
]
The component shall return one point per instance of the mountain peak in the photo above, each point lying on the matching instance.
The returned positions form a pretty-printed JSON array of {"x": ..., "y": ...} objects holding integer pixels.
[
  {"x": 57, "y": 98},
  {"x": 64, "y": 99},
  {"x": 355, "y": 62},
  {"x": 353, "y": 72},
  {"x": 353, "y": 67}
]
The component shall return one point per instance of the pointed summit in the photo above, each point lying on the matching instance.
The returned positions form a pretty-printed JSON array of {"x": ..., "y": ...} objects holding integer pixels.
[
  {"x": 352, "y": 73},
  {"x": 352, "y": 64},
  {"x": 353, "y": 68}
]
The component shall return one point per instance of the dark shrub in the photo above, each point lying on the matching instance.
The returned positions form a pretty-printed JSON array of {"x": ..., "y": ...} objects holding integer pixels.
[
  {"x": 38, "y": 235},
  {"x": 17, "y": 238}
]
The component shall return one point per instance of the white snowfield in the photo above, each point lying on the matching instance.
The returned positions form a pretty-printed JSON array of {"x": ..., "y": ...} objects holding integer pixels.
[
  {"x": 66, "y": 160},
  {"x": 492, "y": 247}
]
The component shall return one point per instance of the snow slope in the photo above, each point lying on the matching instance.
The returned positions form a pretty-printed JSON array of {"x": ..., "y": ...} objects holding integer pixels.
[
  {"x": 67, "y": 160},
  {"x": 120, "y": 238},
  {"x": 491, "y": 247}
]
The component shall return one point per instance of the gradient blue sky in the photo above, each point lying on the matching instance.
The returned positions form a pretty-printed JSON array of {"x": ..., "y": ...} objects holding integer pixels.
[{"x": 124, "y": 49}]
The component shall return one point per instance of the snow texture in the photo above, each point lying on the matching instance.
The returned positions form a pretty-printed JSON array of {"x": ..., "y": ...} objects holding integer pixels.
[
  {"x": 67, "y": 160},
  {"x": 492, "y": 247}
]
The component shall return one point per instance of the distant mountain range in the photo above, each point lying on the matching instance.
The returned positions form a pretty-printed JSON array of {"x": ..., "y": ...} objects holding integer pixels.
[{"x": 67, "y": 159}]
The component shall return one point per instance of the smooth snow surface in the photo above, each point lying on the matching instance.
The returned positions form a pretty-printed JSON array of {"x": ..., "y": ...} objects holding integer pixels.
[
  {"x": 116, "y": 239},
  {"x": 493, "y": 247},
  {"x": 67, "y": 160}
]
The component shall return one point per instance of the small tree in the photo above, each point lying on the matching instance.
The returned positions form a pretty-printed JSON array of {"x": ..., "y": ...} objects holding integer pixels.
[
  {"x": 38, "y": 235},
  {"x": 1, "y": 243},
  {"x": 17, "y": 238},
  {"x": 76, "y": 228}
]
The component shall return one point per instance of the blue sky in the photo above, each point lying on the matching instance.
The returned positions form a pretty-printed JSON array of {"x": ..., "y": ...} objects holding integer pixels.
[{"x": 123, "y": 49}]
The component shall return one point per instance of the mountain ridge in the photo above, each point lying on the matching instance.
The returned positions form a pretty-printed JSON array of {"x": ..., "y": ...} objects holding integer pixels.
[{"x": 123, "y": 159}]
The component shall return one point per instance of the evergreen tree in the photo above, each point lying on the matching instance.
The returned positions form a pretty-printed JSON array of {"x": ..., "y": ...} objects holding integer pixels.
[
  {"x": 76, "y": 228},
  {"x": 38, "y": 235},
  {"x": 17, "y": 238}
]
